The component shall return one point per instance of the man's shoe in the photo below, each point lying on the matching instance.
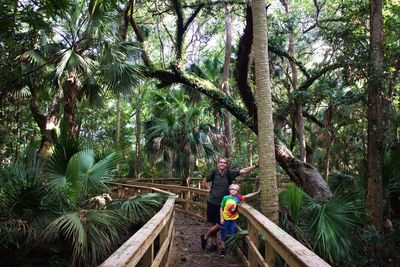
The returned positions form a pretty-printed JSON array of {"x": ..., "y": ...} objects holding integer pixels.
[
  {"x": 222, "y": 252},
  {"x": 213, "y": 248},
  {"x": 203, "y": 242}
]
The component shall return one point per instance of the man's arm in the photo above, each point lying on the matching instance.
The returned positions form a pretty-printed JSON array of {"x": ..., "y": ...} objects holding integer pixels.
[
  {"x": 248, "y": 169},
  {"x": 206, "y": 184}
]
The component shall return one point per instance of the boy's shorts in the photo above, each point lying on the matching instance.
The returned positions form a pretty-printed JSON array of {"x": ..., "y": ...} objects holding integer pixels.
[{"x": 213, "y": 211}]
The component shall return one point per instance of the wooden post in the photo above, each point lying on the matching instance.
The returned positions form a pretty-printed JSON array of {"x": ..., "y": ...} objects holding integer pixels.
[
  {"x": 253, "y": 235},
  {"x": 148, "y": 257},
  {"x": 269, "y": 254}
]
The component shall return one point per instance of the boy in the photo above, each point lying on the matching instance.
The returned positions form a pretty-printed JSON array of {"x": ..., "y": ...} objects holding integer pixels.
[{"x": 229, "y": 213}]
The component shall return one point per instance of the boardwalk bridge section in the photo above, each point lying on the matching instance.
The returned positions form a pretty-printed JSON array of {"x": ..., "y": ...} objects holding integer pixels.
[{"x": 152, "y": 244}]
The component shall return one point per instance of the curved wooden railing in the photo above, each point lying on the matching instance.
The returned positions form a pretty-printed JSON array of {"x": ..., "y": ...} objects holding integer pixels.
[
  {"x": 193, "y": 201},
  {"x": 150, "y": 245},
  {"x": 277, "y": 241}
]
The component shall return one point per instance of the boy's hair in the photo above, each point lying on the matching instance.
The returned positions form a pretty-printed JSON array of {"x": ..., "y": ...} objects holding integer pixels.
[{"x": 234, "y": 186}]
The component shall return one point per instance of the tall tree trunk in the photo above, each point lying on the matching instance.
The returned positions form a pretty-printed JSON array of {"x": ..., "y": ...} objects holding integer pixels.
[
  {"x": 118, "y": 123},
  {"x": 268, "y": 184},
  {"x": 170, "y": 161},
  {"x": 298, "y": 112},
  {"x": 225, "y": 76},
  {"x": 376, "y": 94},
  {"x": 70, "y": 99},
  {"x": 138, "y": 153},
  {"x": 47, "y": 122}
]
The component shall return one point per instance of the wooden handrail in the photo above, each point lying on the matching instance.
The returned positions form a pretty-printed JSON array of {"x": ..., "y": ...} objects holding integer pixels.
[
  {"x": 140, "y": 248},
  {"x": 193, "y": 201},
  {"x": 277, "y": 241}
]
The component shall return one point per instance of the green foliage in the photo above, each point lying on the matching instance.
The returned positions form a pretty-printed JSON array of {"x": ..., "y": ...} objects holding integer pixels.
[
  {"x": 292, "y": 198},
  {"x": 333, "y": 228},
  {"x": 141, "y": 207},
  {"x": 91, "y": 234}
]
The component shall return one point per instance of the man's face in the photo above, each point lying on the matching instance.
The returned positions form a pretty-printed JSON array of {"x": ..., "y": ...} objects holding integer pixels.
[{"x": 222, "y": 164}]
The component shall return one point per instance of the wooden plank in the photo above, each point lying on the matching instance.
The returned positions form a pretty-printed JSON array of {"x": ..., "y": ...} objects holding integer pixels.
[
  {"x": 133, "y": 250},
  {"x": 292, "y": 251},
  {"x": 242, "y": 257},
  {"x": 256, "y": 259},
  {"x": 162, "y": 252}
]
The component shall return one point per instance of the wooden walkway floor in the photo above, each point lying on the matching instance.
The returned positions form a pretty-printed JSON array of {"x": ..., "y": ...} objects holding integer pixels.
[{"x": 186, "y": 250}]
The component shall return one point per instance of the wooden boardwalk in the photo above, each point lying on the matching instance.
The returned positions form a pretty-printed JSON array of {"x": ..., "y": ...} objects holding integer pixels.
[{"x": 186, "y": 250}]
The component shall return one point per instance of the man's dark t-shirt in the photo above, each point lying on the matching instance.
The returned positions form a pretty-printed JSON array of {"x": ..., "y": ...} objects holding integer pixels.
[{"x": 220, "y": 185}]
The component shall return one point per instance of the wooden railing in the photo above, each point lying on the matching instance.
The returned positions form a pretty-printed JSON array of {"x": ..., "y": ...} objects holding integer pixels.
[
  {"x": 150, "y": 245},
  {"x": 189, "y": 200},
  {"x": 277, "y": 241},
  {"x": 193, "y": 201},
  {"x": 283, "y": 180}
]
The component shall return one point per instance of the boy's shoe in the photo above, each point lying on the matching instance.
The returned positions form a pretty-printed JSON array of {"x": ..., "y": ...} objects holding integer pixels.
[
  {"x": 222, "y": 252},
  {"x": 203, "y": 242},
  {"x": 213, "y": 248}
]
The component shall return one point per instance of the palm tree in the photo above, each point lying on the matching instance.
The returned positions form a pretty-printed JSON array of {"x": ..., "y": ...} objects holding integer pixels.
[
  {"x": 265, "y": 141},
  {"x": 175, "y": 132}
]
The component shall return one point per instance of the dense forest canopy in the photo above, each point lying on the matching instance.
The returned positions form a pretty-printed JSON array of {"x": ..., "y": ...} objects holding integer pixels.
[{"x": 171, "y": 85}]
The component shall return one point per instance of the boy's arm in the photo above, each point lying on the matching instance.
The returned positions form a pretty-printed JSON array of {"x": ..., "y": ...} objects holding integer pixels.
[
  {"x": 252, "y": 194},
  {"x": 221, "y": 215}
]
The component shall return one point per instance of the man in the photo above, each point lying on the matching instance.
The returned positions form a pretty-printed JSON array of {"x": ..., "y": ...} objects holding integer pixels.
[{"x": 220, "y": 180}]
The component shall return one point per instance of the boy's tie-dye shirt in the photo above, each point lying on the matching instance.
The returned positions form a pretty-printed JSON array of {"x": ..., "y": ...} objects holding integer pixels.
[{"x": 230, "y": 208}]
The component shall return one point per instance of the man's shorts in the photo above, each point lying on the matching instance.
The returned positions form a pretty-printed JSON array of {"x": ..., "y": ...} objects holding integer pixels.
[{"x": 213, "y": 211}]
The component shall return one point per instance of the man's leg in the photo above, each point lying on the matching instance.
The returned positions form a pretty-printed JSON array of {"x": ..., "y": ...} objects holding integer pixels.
[{"x": 212, "y": 232}]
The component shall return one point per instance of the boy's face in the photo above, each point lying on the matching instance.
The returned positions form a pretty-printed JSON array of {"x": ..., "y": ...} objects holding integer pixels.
[{"x": 233, "y": 191}]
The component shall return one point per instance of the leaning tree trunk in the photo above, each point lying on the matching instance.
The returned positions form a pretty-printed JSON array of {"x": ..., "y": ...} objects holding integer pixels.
[
  {"x": 376, "y": 93},
  {"x": 267, "y": 165},
  {"x": 302, "y": 173}
]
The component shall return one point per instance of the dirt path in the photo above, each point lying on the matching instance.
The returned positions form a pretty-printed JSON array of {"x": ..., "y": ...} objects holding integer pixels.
[{"x": 186, "y": 250}]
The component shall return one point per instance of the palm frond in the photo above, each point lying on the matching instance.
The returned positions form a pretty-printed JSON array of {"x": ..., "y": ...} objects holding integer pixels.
[
  {"x": 140, "y": 207},
  {"x": 333, "y": 226},
  {"x": 235, "y": 240},
  {"x": 32, "y": 57},
  {"x": 100, "y": 172},
  {"x": 91, "y": 235},
  {"x": 293, "y": 199},
  {"x": 65, "y": 55}
]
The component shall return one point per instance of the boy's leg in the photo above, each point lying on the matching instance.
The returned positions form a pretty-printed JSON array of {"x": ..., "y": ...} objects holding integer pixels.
[{"x": 231, "y": 228}]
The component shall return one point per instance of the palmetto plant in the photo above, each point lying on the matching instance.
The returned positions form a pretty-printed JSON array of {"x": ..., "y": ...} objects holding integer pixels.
[
  {"x": 91, "y": 234},
  {"x": 176, "y": 128},
  {"x": 140, "y": 207},
  {"x": 332, "y": 227},
  {"x": 22, "y": 190}
]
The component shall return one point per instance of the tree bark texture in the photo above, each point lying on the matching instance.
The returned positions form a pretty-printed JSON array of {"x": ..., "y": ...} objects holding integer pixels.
[
  {"x": 265, "y": 141},
  {"x": 376, "y": 93},
  {"x": 225, "y": 76}
]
